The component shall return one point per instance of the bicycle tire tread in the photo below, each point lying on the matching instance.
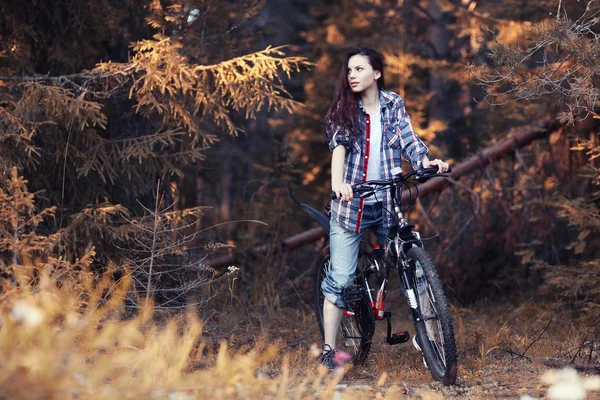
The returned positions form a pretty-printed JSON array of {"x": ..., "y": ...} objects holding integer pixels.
[{"x": 449, "y": 374}]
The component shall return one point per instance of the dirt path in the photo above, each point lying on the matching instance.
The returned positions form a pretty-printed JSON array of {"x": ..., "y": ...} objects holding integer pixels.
[{"x": 496, "y": 361}]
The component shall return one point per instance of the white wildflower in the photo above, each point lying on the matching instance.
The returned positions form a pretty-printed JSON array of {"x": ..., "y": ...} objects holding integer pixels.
[
  {"x": 175, "y": 395},
  {"x": 26, "y": 314},
  {"x": 565, "y": 385},
  {"x": 315, "y": 351},
  {"x": 592, "y": 383},
  {"x": 232, "y": 268}
]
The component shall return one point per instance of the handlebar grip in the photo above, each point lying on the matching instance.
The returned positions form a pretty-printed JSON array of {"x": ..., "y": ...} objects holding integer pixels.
[
  {"x": 334, "y": 195},
  {"x": 423, "y": 175},
  {"x": 432, "y": 170}
]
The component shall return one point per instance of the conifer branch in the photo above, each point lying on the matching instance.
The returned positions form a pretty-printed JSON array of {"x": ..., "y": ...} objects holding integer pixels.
[{"x": 567, "y": 72}]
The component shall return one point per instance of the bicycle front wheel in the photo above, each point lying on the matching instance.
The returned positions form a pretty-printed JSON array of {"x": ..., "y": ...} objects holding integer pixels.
[
  {"x": 435, "y": 333},
  {"x": 358, "y": 324}
]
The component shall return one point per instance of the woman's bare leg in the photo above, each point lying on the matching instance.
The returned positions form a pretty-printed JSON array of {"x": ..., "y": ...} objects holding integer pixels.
[{"x": 332, "y": 318}]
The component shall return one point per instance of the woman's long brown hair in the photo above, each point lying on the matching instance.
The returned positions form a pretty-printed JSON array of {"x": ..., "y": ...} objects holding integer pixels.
[{"x": 343, "y": 111}]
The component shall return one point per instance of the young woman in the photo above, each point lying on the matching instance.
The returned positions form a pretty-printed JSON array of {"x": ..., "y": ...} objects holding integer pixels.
[{"x": 369, "y": 133}]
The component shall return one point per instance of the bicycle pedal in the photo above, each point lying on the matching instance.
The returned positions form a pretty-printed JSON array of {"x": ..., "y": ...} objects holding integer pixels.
[{"x": 397, "y": 338}]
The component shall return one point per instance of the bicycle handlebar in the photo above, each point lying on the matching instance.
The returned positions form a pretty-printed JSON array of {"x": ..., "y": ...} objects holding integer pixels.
[{"x": 422, "y": 175}]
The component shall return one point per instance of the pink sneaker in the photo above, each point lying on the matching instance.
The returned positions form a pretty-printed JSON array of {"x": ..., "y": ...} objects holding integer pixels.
[
  {"x": 335, "y": 360},
  {"x": 341, "y": 358}
]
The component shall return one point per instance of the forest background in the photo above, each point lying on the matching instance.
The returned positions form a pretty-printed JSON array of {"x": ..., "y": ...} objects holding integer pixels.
[{"x": 142, "y": 139}]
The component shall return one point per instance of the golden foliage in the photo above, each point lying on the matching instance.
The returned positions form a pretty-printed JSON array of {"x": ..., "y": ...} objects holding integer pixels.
[
  {"x": 578, "y": 282},
  {"x": 100, "y": 222},
  {"x": 151, "y": 253},
  {"x": 18, "y": 220},
  {"x": 40, "y": 108},
  {"x": 21, "y": 242},
  {"x": 592, "y": 151},
  {"x": 188, "y": 100},
  {"x": 555, "y": 58},
  {"x": 192, "y": 96},
  {"x": 60, "y": 105},
  {"x": 72, "y": 342},
  {"x": 580, "y": 213},
  {"x": 86, "y": 124}
]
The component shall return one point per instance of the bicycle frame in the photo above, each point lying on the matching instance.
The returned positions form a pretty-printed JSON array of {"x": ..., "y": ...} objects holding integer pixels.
[
  {"x": 400, "y": 239},
  {"x": 365, "y": 301}
]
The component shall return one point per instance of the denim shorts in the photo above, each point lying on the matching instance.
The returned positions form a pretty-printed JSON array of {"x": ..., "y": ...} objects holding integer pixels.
[{"x": 343, "y": 246}]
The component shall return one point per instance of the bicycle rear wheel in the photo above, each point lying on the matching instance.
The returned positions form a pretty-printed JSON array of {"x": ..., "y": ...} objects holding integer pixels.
[
  {"x": 435, "y": 333},
  {"x": 358, "y": 324}
]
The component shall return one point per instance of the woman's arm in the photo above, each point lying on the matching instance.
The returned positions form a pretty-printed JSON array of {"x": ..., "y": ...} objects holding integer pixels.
[
  {"x": 413, "y": 148},
  {"x": 343, "y": 190}
]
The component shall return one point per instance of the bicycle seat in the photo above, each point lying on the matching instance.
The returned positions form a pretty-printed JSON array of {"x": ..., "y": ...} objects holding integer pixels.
[{"x": 318, "y": 216}]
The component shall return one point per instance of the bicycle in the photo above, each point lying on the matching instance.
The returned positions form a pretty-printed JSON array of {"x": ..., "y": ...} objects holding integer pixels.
[{"x": 421, "y": 285}]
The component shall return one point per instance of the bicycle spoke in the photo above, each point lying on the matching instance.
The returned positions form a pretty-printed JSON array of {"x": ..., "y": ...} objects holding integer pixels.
[
  {"x": 353, "y": 336},
  {"x": 432, "y": 323}
]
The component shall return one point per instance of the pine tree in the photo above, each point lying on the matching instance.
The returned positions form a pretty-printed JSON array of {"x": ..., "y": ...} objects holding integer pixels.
[
  {"x": 29, "y": 253},
  {"x": 97, "y": 132},
  {"x": 556, "y": 60}
]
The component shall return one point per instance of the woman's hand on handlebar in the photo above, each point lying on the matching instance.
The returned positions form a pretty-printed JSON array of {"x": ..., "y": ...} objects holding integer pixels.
[
  {"x": 441, "y": 165},
  {"x": 342, "y": 190}
]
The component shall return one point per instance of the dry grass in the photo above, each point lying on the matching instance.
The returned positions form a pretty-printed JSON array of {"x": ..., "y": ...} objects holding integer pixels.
[
  {"x": 73, "y": 342},
  {"x": 76, "y": 342}
]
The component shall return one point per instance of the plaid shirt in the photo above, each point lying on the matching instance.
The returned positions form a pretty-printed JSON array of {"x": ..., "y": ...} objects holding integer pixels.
[{"x": 398, "y": 141}]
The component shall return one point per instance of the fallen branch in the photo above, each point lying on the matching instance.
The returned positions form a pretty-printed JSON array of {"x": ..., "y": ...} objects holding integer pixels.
[
  {"x": 486, "y": 157},
  {"x": 595, "y": 368},
  {"x": 512, "y": 353}
]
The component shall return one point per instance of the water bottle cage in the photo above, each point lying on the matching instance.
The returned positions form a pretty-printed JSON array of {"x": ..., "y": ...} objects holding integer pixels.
[{"x": 353, "y": 293}]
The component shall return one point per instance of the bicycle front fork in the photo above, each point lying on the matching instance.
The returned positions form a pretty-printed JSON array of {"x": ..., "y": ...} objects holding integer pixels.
[{"x": 411, "y": 291}]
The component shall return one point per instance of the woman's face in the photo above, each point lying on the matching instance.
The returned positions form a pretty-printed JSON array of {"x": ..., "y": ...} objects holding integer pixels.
[{"x": 361, "y": 75}]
